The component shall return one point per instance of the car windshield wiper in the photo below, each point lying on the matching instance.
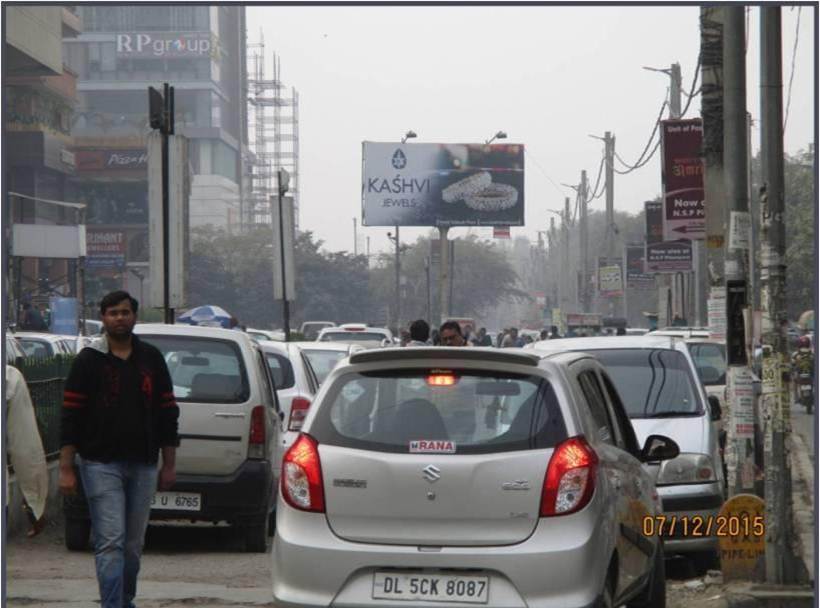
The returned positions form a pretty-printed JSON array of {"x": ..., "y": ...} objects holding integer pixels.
[{"x": 669, "y": 414}]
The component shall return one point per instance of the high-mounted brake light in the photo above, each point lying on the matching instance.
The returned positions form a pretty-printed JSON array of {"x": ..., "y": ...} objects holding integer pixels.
[
  {"x": 302, "y": 486},
  {"x": 441, "y": 379},
  {"x": 570, "y": 479}
]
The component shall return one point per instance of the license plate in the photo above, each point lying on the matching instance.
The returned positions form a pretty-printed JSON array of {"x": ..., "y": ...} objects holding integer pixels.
[
  {"x": 431, "y": 587},
  {"x": 177, "y": 501}
]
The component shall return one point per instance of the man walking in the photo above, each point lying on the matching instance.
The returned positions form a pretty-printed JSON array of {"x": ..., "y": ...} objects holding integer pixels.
[{"x": 118, "y": 413}]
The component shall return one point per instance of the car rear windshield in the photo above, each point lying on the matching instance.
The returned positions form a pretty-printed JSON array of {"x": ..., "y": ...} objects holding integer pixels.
[
  {"x": 441, "y": 411},
  {"x": 652, "y": 383},
  {"x": 352, "y": 336},
  {"x": 204, "y": 370},
  {"x": 322, "y": 362},
  {"x": 710, "y": 361}
]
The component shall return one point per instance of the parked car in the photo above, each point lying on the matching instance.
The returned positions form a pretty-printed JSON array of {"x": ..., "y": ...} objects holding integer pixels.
[
  {"x": 324, "y": 356},
  {"x": 468, "y": 476},
  {"x": 295, "y": 385},
  {"x": 310, "y": 329},
  {"x": 93, "y": 327},
  {"x": 681, "y": 332},
  {"x": 14, "y": 352},
  {"x": 358, "y": 333},
  {"x": 229, "y": 431},
  {"x": 658, "y": 383},
  {"x": 42, "y": 345},
  {"x": 276, "y": 335}
]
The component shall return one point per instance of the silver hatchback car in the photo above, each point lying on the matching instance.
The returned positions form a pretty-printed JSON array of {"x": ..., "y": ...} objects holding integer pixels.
[{"x": 468, "y": 476}]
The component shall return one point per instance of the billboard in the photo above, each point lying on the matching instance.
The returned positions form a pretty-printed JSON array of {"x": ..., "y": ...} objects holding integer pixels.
[
  {"x": 610, "y": 277},
  {"x": 683, "y": 194},
  {"x": 654, "y": 221},
  {"x": 105, "y": 248},
  {"x": 163, "y": 45},
  {"x": 636, "y": 277},
  {"x": 442, "y": 184},
  {"x": 669, "y": 256},
  {"x": 124, "y": 159}
]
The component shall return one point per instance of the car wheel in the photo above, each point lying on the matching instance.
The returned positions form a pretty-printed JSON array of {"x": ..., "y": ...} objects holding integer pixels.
[
  {"x": 77, "y": 533},
  {"x": 257, "y": 536},
  {"x": 703, "y": 561},
  {"x": 655, "y": 594}
]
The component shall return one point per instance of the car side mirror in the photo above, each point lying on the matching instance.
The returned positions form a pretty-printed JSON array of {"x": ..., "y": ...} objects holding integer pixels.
[
  {"x": 716, "y": 412},
  {"x": 659, "y": 447}
]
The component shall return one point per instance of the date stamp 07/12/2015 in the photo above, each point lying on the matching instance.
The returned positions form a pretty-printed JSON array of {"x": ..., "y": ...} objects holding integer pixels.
[{"x": 696, "y": 526}]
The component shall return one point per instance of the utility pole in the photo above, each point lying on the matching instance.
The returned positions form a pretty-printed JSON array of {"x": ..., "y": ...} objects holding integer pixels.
[
  {"x": 355, "y": 239},
  {"x": 565, "y": 274},
  {"x": 675, "y": 112},
  {"x": 780, "y": 559},
  {"x": 740, "y": 452},
  {"x": 552, "y": 238},
  {"x": 444, "y": 266},
  {"x": 609, "y": 153},
  {"x": 397, "y": 265},
  {"x": 584, "y": 241},
  {"x": 428, "y": 301}
]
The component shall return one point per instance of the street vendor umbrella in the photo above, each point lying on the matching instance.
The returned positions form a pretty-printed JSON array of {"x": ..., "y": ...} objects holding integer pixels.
[
  {"x": 209, "y": 316},
  {"x": 806, "y": 320}
]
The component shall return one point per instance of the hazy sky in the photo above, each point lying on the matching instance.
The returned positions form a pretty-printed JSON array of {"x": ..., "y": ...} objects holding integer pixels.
[{"x": 548, "y": 76}]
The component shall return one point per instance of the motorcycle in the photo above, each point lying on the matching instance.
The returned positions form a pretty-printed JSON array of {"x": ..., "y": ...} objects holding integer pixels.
[{"x": 805, "y": 391}]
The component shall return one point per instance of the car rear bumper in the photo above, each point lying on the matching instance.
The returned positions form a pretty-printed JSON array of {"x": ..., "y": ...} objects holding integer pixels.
[
  {"x": 561, "y": 565},
  {"x": 246, "y": 494},
  {"x": 689, "y": 505}
]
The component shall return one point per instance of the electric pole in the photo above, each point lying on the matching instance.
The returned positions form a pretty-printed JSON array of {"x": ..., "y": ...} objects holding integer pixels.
[
  {"x": 397, "y": 265},
  {"x": 444, "y": 265},
  {"x": 565, "y": 274},
  {"x": 780, "y": 559},
  {"x": 584, "y": 242},
  {"x": 609, "y": 153},
  {"x": 355, "y": 239},
  {"x": 740, "y": 455}
]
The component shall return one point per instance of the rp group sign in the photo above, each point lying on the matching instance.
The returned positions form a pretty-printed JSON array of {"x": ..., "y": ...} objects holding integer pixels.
[
  {"x": 165, "y": 44},
  {"x": 683, "y": 195}
]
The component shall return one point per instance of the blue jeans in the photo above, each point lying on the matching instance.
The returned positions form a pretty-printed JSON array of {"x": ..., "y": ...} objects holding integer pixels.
[{"x": 119, "y": 499}]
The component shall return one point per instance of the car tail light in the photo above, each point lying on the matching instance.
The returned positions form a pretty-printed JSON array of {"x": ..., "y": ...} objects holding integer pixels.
[
  {"x": 570, "y": 478},
  {"x": 302, "y": 476},
  {"x": 298, "y": 412},
  {"x": 256, "y": 438}
]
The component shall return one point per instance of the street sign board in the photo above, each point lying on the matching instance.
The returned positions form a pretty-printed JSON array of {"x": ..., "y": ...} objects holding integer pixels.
[
  {"x": 636, "y": 277},
  {"x": 442, "y": 184},
  {"x": 672, "y": 256},
  {"x": 610, "y": 278},
  {"x": 654, "y": 221},
  {"x": 283, "y": 239},
  {"x": 683, "y": 195}
]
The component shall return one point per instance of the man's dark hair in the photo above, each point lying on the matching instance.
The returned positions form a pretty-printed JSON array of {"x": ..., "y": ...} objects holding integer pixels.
[
  {"x": 451, "y": 325},
  {"x": 114, "y": 298},
  {"x": 419, "y": 330}
]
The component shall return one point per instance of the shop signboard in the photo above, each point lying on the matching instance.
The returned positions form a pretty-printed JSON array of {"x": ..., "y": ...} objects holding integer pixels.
[
  {"x": 105, "y": 248},
  {"x": 683, "y": 194},
  {"x": 636, "y": 277},
  {"x": 671, "y": 256}
]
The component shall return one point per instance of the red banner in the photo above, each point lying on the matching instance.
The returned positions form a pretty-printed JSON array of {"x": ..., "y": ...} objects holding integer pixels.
[{"x": 684, "y": 211}]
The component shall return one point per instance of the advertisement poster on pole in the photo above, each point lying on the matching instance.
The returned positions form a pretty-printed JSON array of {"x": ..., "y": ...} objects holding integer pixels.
[
  {"x": 674, "y": 256},
  {"x": 654, "y": 221},
  {"x": 442, "y": 185},
  {"x": 610, "y": 277},
  {"x": 684, "y": 214},
  {"x": 636, "y": 277}
]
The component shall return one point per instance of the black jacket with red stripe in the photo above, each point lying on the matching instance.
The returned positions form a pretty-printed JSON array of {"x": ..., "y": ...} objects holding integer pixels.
[{"x": 92, "y": 395}]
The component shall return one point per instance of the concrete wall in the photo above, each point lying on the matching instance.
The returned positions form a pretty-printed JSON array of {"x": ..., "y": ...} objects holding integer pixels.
[{"x": 37, "y": 31}]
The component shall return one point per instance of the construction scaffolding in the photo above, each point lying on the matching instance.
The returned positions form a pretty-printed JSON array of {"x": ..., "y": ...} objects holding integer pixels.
[{"x": 273, "y": 136}]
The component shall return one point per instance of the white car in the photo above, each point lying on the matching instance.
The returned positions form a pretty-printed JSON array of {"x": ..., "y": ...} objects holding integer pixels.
[
  {"x": 229, "y": 425},
  {"x": 681, "y": 332},
  {"x": 325, "y": 356},
  {"x": 311, "y": 329},
  {"x": 357, "y": 333},
  {"x": 276, "y": 335},
  {"x": 42, "y": 345}
]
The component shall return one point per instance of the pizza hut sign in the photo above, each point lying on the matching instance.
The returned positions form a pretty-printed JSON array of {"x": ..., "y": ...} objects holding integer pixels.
[
  {"x": 169, "y": 44},
  {"x": 112, "y": 160}
]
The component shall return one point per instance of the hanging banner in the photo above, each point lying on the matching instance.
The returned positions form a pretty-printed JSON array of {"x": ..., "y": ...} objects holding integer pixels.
[
  {"x": 636, "y": 278},
  {"x": 654, "y": 221},
  {"x": 683, "y": 195},
  {"x": 675, "y": 256}
]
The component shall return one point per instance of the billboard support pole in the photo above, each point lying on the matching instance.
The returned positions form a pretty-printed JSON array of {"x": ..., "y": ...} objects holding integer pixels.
[{"x": 444, "y": 265}]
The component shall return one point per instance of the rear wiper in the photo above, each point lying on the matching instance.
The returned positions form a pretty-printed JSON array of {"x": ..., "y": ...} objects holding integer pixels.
[{"x": 669, "y": 414}]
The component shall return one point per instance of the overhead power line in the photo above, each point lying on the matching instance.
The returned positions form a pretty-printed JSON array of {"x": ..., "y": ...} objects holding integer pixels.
[
  {"x": 791, "y": 77},
  {"x": 541, "y": 169},
  {"x": 691, "y": 95},
  {"x": 641, "y": 161}
]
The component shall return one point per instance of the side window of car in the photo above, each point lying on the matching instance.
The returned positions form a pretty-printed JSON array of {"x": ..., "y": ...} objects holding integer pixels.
[
  {"x": 597, "y": 406},
  {"x": 313, "y": 383},
  {"x": 628, "y": 441}
]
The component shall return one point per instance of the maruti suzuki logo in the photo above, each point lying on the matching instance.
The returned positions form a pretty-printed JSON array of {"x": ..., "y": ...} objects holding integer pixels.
[
  {"x": 399, "y": 160},
  {"x": 431, "y": 473}
]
